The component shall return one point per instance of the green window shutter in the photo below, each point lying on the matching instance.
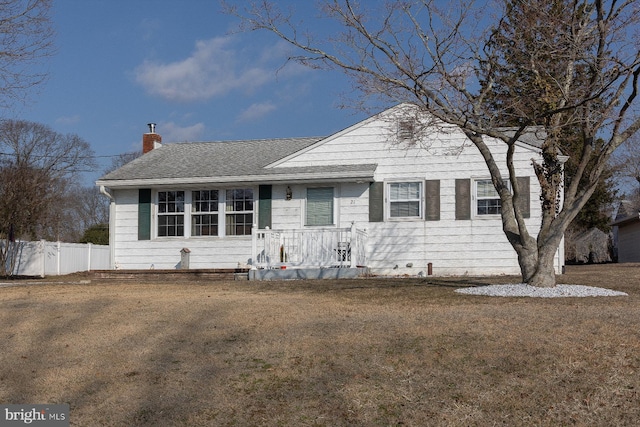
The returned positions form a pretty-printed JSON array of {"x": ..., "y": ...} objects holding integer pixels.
[
  {"x": 463, "y": 199},
  {"x": 524, "y": 201},
  {"x": 144, "y": 214},
  {"x": 320, "y": 206},
  {"x": 264, "y": 206},
  {"x": 376, "y": 202},
  {"x": 432, "y": 200}
]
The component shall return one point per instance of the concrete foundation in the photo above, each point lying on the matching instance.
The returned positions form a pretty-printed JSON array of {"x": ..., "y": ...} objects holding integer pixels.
[{"x": 308, "y": 273}]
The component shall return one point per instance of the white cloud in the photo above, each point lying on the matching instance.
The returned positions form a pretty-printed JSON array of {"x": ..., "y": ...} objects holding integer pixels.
[
  {"x": 213, "y": 69},
  {"x": 256, "y": 111},
  {"x": 172, "y": 132}
]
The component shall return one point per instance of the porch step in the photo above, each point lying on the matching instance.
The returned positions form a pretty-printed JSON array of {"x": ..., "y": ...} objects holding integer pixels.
[{"x": 214, "y": 274}]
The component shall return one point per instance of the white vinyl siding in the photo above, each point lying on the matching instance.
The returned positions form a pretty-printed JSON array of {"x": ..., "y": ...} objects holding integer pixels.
[
  {"x": 476, "y": 245},
  {"x": 164, "y": 253},
  {"x": 319, "y": 206}
]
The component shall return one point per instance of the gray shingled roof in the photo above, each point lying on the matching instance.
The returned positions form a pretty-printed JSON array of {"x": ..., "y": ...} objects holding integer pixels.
[
  {"x": 216, "y": 160},
  {"x": 242, "y": 161},
  {"x": 628, "y": 211},
  {"x": 533, "y": 136}
]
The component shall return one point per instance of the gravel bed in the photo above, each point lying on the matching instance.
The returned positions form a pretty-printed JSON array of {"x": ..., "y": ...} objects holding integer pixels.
[{"x": 524, "y": 290}]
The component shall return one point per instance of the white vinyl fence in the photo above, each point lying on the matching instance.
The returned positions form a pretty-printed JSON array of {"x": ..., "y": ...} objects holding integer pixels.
[{"x": 55, "y": 258}]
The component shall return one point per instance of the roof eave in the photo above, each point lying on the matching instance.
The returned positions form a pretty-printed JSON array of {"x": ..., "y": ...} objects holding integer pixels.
[
  {"x": 353, "y": 176},
  {"x": 627, "y": 220}
]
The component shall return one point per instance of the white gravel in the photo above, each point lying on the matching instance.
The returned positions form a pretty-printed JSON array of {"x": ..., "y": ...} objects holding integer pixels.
[{"x": 524, "y": 290}]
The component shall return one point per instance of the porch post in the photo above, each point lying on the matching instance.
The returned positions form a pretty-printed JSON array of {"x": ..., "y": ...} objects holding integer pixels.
[
  {"x": 354, "y": 245},
  {"x": 254, "y": 246}
]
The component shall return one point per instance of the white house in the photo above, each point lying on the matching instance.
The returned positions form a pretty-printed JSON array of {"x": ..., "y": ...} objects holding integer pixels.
[{"x": 382, "y": 194}]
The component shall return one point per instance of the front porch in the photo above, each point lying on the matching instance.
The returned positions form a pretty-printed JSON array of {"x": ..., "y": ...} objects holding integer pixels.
[{"x": 308, "y": 253}]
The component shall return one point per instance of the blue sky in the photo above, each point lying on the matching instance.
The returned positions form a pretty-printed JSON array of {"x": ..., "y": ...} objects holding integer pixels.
[{"x": 121, "y": 64}]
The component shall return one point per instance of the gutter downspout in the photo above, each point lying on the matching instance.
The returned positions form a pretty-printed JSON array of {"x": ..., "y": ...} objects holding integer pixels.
[{"x": 112, "y": 226}]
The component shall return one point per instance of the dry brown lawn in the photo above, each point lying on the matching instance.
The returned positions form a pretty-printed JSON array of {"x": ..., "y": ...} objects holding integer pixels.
[{"x": 367, "y": 352}]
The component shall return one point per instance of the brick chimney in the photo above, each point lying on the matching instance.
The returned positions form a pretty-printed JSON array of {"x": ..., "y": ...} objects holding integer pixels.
[{"x": 151, "y": 140}]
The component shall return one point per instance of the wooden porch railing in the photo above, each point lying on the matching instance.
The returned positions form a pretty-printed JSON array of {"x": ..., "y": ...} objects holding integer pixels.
[{"x": 317, "y": 247}]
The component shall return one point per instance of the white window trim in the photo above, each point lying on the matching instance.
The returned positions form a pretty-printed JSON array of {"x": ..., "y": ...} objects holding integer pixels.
[
  {"x": 156, "y": 214},
  {"x": 192, "y": 212},
  {"x": 222, "y": 209},
  {"x": 387, "y": 200},
  {"x": 474, "y": 199},
  {"x": 336, "y": 210},
  {"x": 188, "y": 206}
]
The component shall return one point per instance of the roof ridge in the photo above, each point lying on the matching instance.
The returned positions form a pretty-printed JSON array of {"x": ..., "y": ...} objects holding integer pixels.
[{"x": 318, "y": 138}]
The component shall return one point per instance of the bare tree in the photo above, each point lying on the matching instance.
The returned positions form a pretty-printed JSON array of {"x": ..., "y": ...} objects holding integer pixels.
[
  {"x": 556, "y": 64},
  {"x": 37, "y": 166},
  {"x": 627, "y": 166},
  {"x": 26, "y": 38},
  {"x": 83, "y": 212},
  {"x": 82, "y": 209},
  {"x": 74, "y": 210},
  {"x": 121, "y": 160},
  {"x": 93, "y": 207},
  {"x": 23, "y": 201},
  {"x": 627, "y": 173}
]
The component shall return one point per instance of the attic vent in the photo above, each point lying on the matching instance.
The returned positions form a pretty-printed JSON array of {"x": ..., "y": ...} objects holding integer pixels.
[{"x": 406, "y": 130}]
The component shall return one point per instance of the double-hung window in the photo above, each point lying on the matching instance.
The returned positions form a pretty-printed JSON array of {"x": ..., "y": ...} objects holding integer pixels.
[
  {"x": 239, "y": 212},
  {"x": 487, "y": 198},
  {"x": 170, "y": 213},
  {"x": 204, "y": 213},
  {"x": 319, "y": 206},
  {"x": 405, "y": 199}
]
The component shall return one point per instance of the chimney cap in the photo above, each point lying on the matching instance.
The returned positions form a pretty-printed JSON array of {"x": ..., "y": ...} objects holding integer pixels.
[{"x": 152, "y": 127}]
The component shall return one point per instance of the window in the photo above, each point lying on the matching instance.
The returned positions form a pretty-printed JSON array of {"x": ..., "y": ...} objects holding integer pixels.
[
  {"x": 239, "y": 212},
  {"x": 170, "y": 213},
  {"x": 204, "y": 213},
  {"x": 487, "y": 198},
  {"x": 319, "y": 206},
  {"x": 405, "y": 200}
]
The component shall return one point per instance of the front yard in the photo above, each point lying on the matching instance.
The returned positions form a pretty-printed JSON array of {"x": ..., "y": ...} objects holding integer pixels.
[{"x": 329, "y": 353}]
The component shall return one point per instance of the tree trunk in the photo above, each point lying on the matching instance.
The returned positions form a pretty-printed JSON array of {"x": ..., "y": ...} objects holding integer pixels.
[
  {"x": 8, "y": 256},
  {"x": 528, "y": 261},
  {"x": 545, "y": 273},
  {"x": 537, "y": 266}
]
